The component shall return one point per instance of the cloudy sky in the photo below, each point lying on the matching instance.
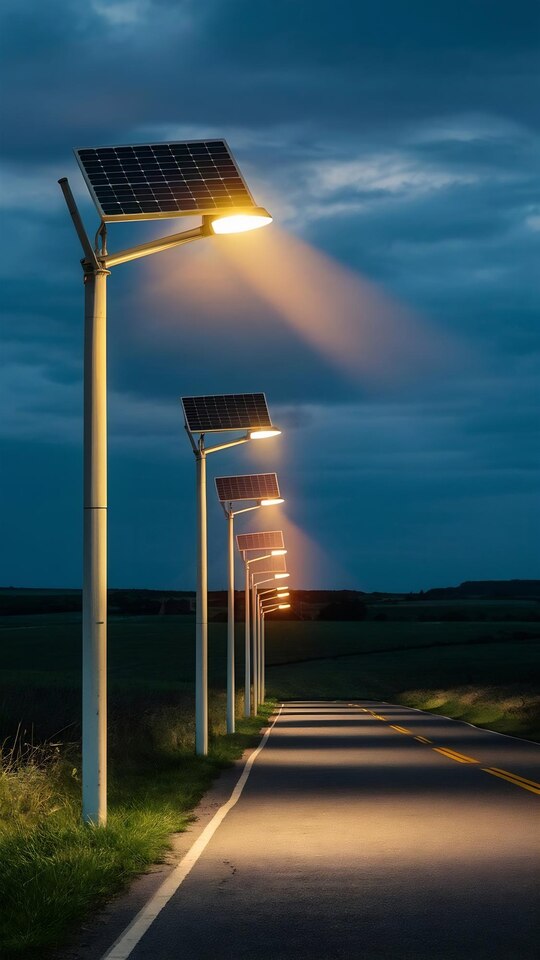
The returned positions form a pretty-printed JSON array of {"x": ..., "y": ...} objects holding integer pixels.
[{"x": 390, "y": 314}]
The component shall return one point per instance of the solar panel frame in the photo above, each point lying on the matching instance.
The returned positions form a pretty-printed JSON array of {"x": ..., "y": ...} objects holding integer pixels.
[
  {"x": 158, "y": 181},
  {"x": 262, "y": 540},
  {"x": 224, "y": 412},
  {"x": 251, "y": 486}
]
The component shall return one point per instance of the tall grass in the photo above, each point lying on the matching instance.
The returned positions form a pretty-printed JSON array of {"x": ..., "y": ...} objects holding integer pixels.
[{"x": 54, "y": 870}]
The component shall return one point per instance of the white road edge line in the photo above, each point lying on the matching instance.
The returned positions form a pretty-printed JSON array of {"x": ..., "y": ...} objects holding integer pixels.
[
  {"x": 129, "y": 939},
  {"x": 442, "y": 716}
]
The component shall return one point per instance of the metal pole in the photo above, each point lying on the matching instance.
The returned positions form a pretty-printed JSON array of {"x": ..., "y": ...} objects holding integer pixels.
[
  {"x": 263, "y": 658},
  {"x": 201, "y": 618},
  {"x": 258, "y": 650},
  {"x": 94, "y": 686},
  {"x": 254, "y": 660},
  {"x": 247, "y": 649},
  {"x": 230, "y": 630}
]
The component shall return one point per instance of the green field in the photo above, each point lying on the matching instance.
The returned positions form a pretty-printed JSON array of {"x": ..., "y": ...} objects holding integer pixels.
[{"x": 151, "y": 662}]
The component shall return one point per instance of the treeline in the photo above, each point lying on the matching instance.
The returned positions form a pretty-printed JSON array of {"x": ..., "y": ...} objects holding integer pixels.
[
  {"x": 471, "y": 601},
  {"x": 483, "y": 590}
]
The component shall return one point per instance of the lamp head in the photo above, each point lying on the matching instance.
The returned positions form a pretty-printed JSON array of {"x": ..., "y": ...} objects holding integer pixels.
[
  {"x": 281, "y": 576},
  {"x": 241, "y": 221},
  {"x": 284, "y": 606},
  {"x": 271, "y": 502},
  {"x": 278, "y": 553},
  {"x": 263, "y": 434}
]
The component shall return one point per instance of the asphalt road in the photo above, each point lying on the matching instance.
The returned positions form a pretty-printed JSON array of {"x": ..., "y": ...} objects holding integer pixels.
[{"x": 358, "y": 836}]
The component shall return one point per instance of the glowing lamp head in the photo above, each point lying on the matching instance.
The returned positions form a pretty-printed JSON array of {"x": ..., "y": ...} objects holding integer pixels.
[
  {"x": 281, "y": 576},
  {"x": 278, "y": 553},
  {"x": 284, "y": 606},
  {"x": 264, "y": 434},
  {"x": 281, "y": 596},
  {"x": 241, "y": 222},
  {"x": 270, "y": 503}
]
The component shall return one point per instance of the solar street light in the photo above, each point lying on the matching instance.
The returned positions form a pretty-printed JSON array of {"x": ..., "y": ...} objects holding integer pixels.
[
  {"x": 267, "y": 563},
  {"x": 278, "y": 567},
  {"x": 134, "y": 182},
  {"x": 264, "y": 488},
  {"x": 264, "y": 609},
  {"x": 214, "y": 414},
  {"x": 263, "y": 540}
]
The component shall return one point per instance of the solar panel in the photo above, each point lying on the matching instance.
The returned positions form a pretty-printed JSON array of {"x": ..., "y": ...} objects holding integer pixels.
[
  {"x": 269, "y": 566},
  {"x": 254, "y": 486},
  {"x": 265, "y": 540},
  {"x": 159, "y": 180},
  {"x": 235, "y": 411}
]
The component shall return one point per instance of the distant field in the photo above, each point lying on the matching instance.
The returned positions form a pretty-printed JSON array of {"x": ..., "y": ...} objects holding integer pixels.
[
  {"x": 153, "y": 658},
  {"x": 485, "y": 673}
]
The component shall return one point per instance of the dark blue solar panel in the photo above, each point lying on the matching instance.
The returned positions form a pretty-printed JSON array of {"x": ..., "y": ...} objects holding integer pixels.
[
  {"x": 163, "y": 179},
  {"x": 235, "y": 411},
  {"x": 253, "y": 486}
]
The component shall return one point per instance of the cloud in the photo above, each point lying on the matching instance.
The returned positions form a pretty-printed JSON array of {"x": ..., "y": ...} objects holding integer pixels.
[
  {"x": 123, "y": 13},
  {"x": 384, "y": 173},
  {"x": 32, "y": 189}
]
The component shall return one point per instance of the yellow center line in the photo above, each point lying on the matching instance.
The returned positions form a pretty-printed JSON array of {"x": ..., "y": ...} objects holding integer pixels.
[
  {"x": 514, "y": 778},
  {"x": 454, "y": 755}
]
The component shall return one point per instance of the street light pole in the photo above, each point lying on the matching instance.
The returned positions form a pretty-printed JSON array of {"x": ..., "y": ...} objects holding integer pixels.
[
  {"x": 255, "y": 622},
  {"x": 201, "y": 614},
  {"x": 201, "y": 618},
  {"x": 94, "y": 690},
  {"x": 201, "y": 611},
  {"x": 252, "y": 633},
  {"x": 231, "y": 645},
  {"x": 263, "y": 657},
  {"x": 247, "y": 645},
  {"x": 254, "y": 651},
  {"x": 231, "y": 691},
  {"x": 263, "y": 610}
]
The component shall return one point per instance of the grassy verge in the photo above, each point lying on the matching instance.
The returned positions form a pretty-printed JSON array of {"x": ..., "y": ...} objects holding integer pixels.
[
  {"x": 507, "y": 709},
  {"x": 54, "y": 870},
  {"x": 491, "y": 684}
]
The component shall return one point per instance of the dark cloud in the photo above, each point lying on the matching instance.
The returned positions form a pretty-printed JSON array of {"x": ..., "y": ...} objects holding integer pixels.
[{"x": 398, "y": 143}]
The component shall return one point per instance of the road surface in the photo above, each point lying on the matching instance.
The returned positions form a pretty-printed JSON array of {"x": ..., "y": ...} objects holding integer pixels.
[{"x": 366, "y": 831}]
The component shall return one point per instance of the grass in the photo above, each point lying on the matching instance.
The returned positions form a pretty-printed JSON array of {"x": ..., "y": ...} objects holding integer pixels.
[
  {"x": 511, "y": 709},
  {"x": 489, "y": 682},
  {"x": 66, "y": 869}
]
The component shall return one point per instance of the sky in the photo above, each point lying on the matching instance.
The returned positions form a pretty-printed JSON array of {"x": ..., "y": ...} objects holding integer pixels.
[{"x": 390, "y": 312}]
